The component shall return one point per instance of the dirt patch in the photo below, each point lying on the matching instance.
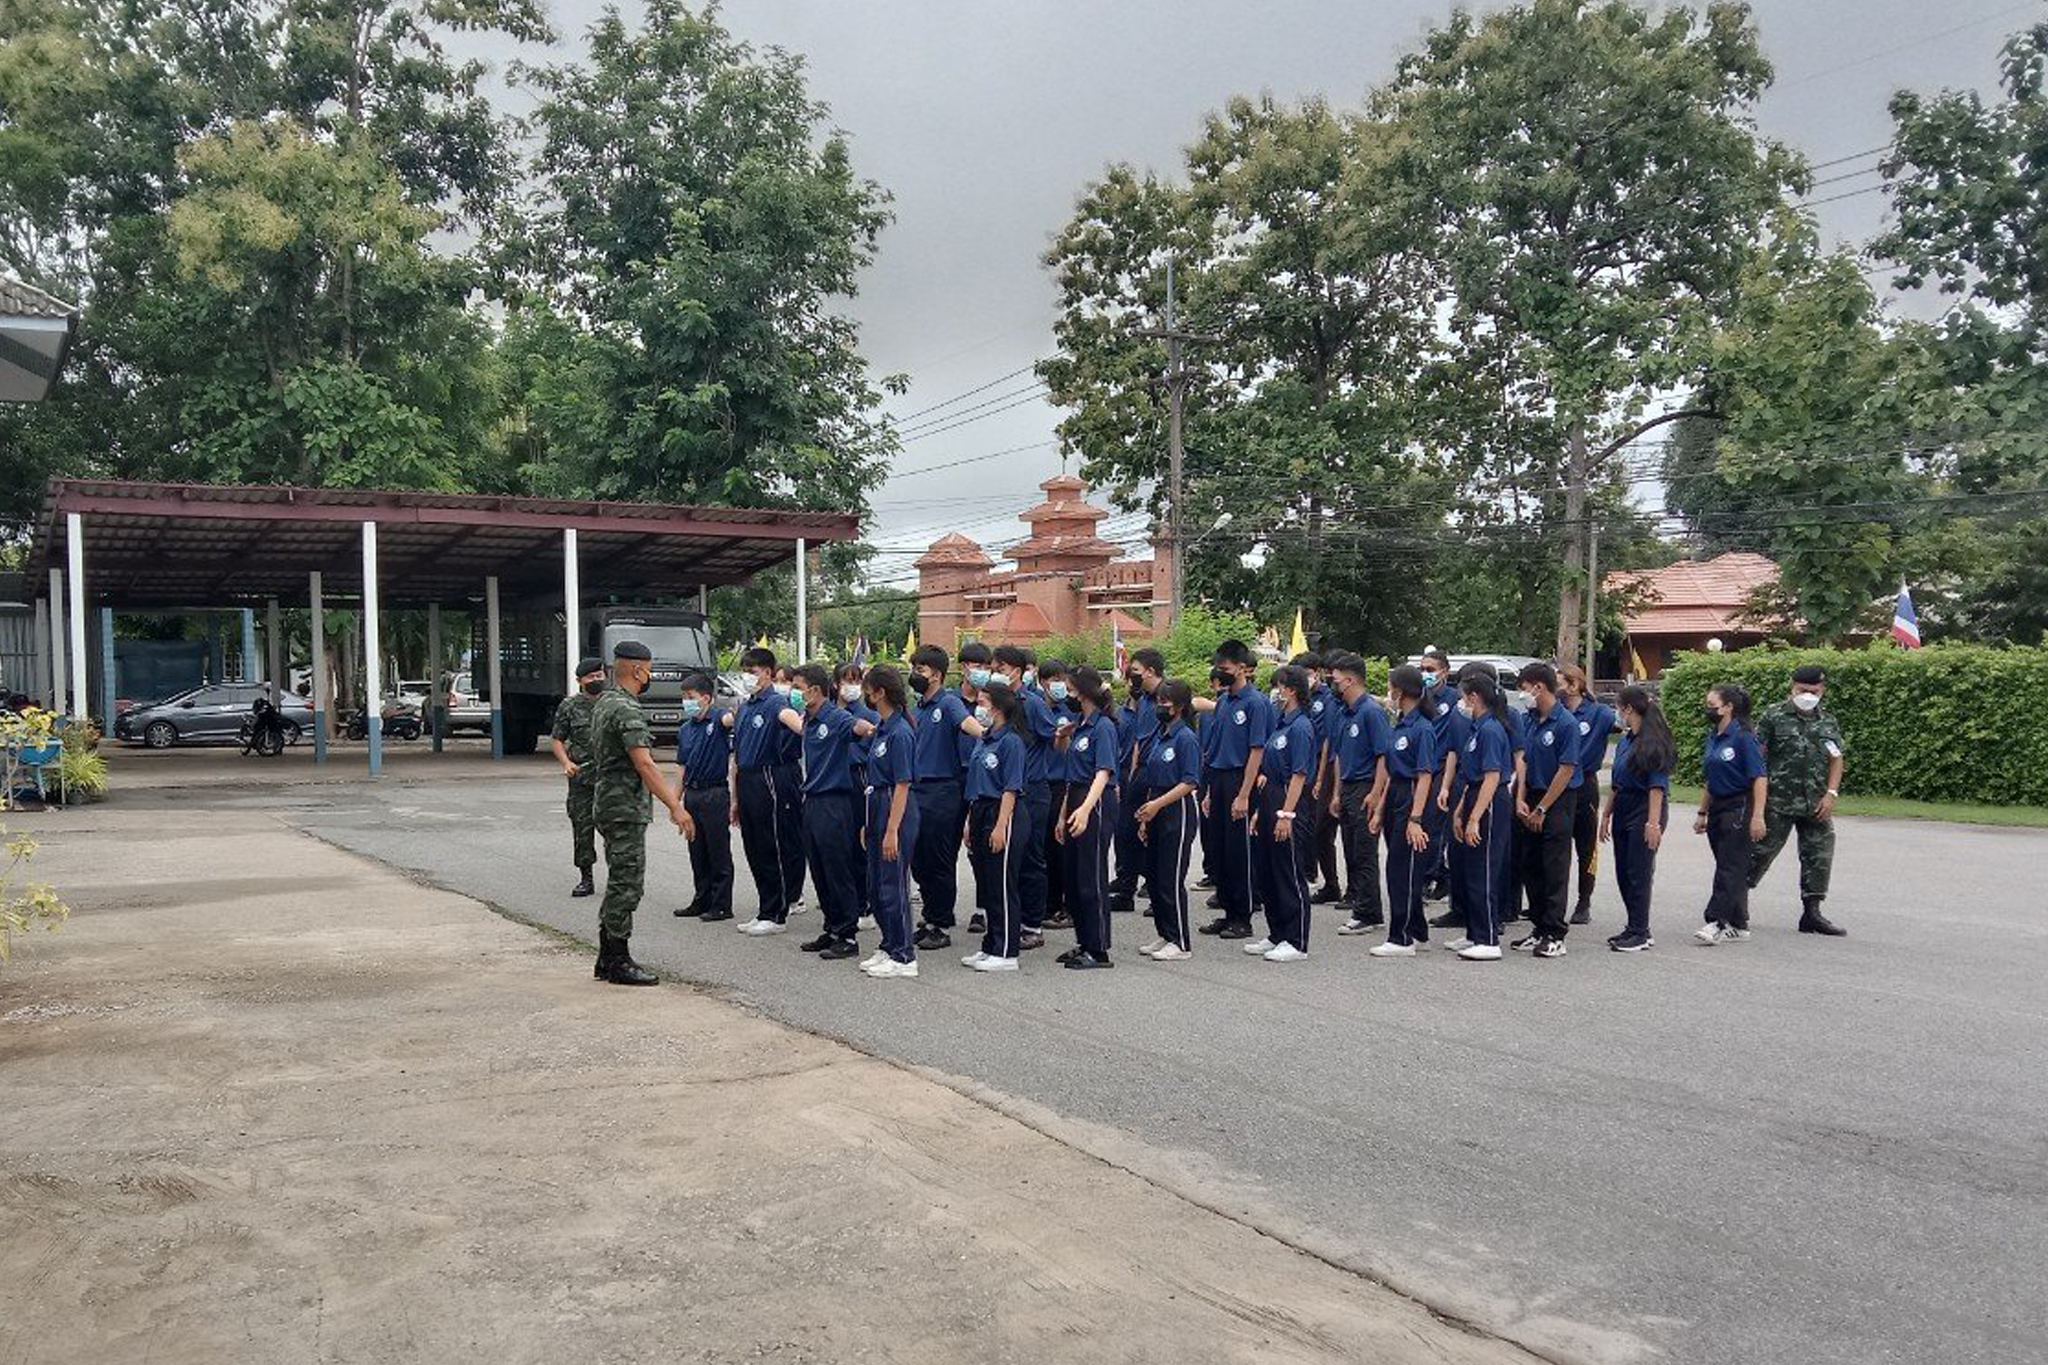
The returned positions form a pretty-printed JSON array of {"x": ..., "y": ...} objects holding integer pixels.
[{"x": 346, "y": 1117}]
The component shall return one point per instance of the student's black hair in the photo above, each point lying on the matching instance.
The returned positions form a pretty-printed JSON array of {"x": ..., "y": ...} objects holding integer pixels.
[
  {"x": 1476, "y": 669},
  {"x": 1406, "y": 681},
  {"x": 813, "y": 675},
  {"x": 698, "y": 682},
  {"x": 1089, "y": 687},
  {"x": 848, "y": 672},
  {"x": 1004, "y": 701},
  {"x": 975, "y": 652},
  {"x": 1150, "y": 658},
  {"x": 757, "y": 656},
  {"x": 1737, "y": 697},
  {"x": 1538, "y": 672},
  {"x": 884, "y": 679},
  {"x": 1051, "y": 668},
  {"x": 1309, "y": 659},
  {"x": 1176, "y": 696},
  {"x": 1012, "y": 656},
  {"x": 932, "y": 657},
  {"x": 1652, "y": 750},
  {"x": 1235, "y": 651},
  {"x": 1485, "y": 685},
  {"x": 1293, "y": 678},
  {"x": 1343, "y": 661}
]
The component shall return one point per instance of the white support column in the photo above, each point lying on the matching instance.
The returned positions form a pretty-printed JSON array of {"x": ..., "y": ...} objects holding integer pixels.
[
  {"x": 58, "y": 671},
  {"x": 373, "y": 654},
  {"x": 703, "y": 601},
  {"x": 317, "y": 600},
  {"x": 40, "y": 684},
  {"x": 273, "y": 652},
  {"x": 572, "y": 604},
  {"x": 803, "y": 611},
  {"x": 437, "y": 694},
  {"x": 74, "y": 540},
  {"x": 492, "y": 643}
]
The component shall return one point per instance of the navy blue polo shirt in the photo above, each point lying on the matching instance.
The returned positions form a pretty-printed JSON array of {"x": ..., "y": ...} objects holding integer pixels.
[
  {"x": 1141, "y": 718},
  {"x": 828, "y": 750},
  {"x": 1449, "y": 721},
  {"x": 1626, "y": 780},
  {"x": 997, "y": 765},
  {"x": 1485, "y": 751},
  {"x": 1597, "y": 724},
  {"x": 1548, "y": 745},
  {"x": 1325, "y": 712},
  {"x": 1040, "y": 726},
  {"x": 892, "y": 753},
  {"x": 1732, "y": 761},
  {"x": 940, "y": 754},
  {"x": 1093, "y": 748},
  {"x": 1411, "y": 751},
  {"x": 1174, "y": 756},
  {"x": 1244, "y": 721},
  {"x": 702, "y": 748},
  {"x": 1293, "y": 747},
  {"x": 860, "y": 710},
  {"x": 758, "y": 737},
  {"x": 1362, "y": 738}
]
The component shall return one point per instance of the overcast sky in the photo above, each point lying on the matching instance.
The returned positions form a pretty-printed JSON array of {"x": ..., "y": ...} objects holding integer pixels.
[{"x": 985, "y": 120}]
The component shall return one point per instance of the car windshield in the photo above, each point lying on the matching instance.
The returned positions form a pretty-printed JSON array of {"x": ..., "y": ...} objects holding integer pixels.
[{"x": 671, "y": 644}]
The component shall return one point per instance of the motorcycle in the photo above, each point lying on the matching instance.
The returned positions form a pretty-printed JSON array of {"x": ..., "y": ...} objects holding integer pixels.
[
  {"x": 401, "y": 720},
  {"x": 264, "y": 732}
]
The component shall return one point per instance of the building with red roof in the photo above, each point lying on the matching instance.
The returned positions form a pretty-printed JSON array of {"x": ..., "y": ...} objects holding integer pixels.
[{"x": 1685, "y": 605}]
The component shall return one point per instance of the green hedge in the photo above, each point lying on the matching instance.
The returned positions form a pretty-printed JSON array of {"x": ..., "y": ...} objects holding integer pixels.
[{"x": 1945, "y": 723}]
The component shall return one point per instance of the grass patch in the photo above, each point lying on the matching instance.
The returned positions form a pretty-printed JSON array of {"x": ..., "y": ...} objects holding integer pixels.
[{"x": 1898, "y": 808}]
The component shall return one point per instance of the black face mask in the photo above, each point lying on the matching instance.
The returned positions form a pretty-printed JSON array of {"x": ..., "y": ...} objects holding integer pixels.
[
  {"x": 1713, "y": 716},
  {"x": 593, "y": 688},
  {"x": 926, "y": 684}
]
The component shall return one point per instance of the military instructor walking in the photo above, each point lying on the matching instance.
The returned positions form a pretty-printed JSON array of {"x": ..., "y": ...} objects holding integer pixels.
[
  {"x": 628, "y": 783},
  {"x": 1803, "y": 752},
  {"x": 572, "y": 750}
]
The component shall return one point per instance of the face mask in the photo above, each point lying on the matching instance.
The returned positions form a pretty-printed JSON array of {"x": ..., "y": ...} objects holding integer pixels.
[
  {"x": 1056, "y": 690},
  {"x": 1030, "y": 676},
  {"x": 1277, "y": 698},
  {"x": 796, "y": 694},
  {"x": 1530, "y": 698},
  {"x": 594, "y": 686},
  {"x": 1806, "y": 701},
  {"x": 750, "y": 683},
  {"x": 1134, "y": 682},
  {"x": 1428, "y": 677},
  {"x": 1470, "y": 711},
  {"x": 692, "y": 708},
  {"x": 984, "y": 717},
  {"x": 1713, "y": 716},
  {"x": 978, "y": 676},
  {"x": 925, "y": 683},
  {"x": 849, "y": 693}
]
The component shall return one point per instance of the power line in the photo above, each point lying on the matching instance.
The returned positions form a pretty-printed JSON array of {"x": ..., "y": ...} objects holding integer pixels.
[
  {"x": 1909, "y": 44},
  {"x": 908, "y": 418},
  {"x": 968, "y": 421},
  {"x": 1036, "y": 386}
]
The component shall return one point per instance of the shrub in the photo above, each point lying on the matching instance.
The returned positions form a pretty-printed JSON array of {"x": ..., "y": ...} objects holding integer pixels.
[
  {"x": 83, "y": 770},
  {"x": 1945, "y": 723},
  {"x": 23, "y": 905}
]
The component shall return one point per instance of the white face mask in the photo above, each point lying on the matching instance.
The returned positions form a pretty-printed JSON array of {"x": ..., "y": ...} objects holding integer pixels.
[
  {"x": 750, "y": 683},
  {"x": 849, "y": 693},
  {"x": 1806, "y": 701}
]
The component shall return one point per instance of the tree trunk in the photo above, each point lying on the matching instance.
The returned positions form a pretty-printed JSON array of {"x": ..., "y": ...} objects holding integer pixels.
[{"x": 1570, "y": 599}]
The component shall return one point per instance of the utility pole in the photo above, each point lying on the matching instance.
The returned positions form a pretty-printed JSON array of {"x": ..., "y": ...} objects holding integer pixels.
[
  {"x": 1592, "y": 598},
  {"x": 1176, "y": 382}
]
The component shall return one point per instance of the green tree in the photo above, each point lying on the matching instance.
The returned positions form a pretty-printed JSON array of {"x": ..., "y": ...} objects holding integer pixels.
[{"x": 675, "y": 324}]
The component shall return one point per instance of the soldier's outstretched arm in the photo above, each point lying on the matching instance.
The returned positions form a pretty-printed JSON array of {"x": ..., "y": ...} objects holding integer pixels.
[{"x": 650, "y": 777}]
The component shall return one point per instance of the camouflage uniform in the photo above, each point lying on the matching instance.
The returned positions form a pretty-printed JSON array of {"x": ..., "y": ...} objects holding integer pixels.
[
  {"x": 622, "y": 805},
  {"x": 1797, "y": 749},
  {"x": 572, "y": 727}
]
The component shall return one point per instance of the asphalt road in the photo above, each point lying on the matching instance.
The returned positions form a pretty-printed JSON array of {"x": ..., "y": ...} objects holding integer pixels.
[{"x": 1794, "y": 1149}]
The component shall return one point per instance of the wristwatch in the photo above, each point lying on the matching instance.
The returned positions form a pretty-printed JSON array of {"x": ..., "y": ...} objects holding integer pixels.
[
  {"x": 1833, "y": 792},
  {"x": 1285, "y": 814}
]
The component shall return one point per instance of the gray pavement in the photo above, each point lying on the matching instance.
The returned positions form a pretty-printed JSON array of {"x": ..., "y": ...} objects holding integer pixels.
[{"x": 1789, "y": 1150}]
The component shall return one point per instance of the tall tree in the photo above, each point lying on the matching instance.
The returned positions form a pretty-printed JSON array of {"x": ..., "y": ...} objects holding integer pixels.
[{"x": 697, "y": 224}]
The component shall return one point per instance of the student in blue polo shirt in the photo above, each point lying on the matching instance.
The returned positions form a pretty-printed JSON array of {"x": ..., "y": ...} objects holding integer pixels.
[
  {"x": 1207, "y": 731},
  {"x": 889, "y": 829},
  {"x": 1440, "y": 685},
  {"x": 704, "y": 758},
  {"x": 1323, "y": 710},
  {"x": 1034, "y": 817},
  {"x": 1244, "y": 722},
  {"x": 1731, "y": 811},
  {"x": 832, "y": 814},
  {"x": 1139, "y": 722},
  {"x": 1283, "y": 845},
  {"x": 1412, "y": 766},
  {"x": 941, "y": 762},
  {"x": 1088, "y": 813},
  {"x": 1596, "y": 724},
  {"x": 767, "y": 793},
  {"x": 1170, "y": 770},
  {"x": 995, "y": 788},
  {"x": 1482, "y": 812},
  {"x": 1638, "y": 803},
  {"x": 848, "y": 678},
  {"x": 1360, "y": 758},
  {"x": 1545, "y": 806},
  {"x": 1054, "y": 687}
]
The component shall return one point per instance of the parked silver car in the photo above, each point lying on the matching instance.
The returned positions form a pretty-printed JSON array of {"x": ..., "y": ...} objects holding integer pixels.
[{"x": 207, "y": 715}]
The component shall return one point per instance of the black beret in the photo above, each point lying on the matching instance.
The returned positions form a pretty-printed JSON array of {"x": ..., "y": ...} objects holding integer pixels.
[
  {"x": 1809, "y": 674},
  {"x": 589, "y": 663},
  {"x": 631, "y": 649}
]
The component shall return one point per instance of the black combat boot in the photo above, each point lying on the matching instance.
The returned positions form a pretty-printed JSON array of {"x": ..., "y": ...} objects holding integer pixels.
[
  {"x": 623, "y": 970},
  {"x": 604, "y": 955},
  {"x": 585, "y": 887},
  {"x": 1812, "y": 921}
]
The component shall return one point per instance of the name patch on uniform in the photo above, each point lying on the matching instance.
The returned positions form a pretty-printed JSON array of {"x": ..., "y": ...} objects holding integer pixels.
[
  {"x": 881, "y": 748},
  {"x": 1834, "y": 749},
  {"x": 1728, "y": 754},
  {"x": 759, "y": 721},
  {"x": 1082, "y": 744},
  {"x": 1240, "y": 717},
  {"x": 1585, "y": 727},
  {"x": 1401, "y": 742},
  {"x": 1166, "y": 754},
  {"x": 823, "y": 731},
  {"x": 1549, "y": 738},
  {"x": 1279, "y": 741},
  {"x": 990, "y": 760},
  {"x": 1354, "y": 729}
]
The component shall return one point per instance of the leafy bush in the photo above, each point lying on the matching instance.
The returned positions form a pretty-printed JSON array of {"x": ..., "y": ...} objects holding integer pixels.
[
  {"x": 23, "y": 905},
  {"x": 1192, "y": 642},
  {"x": 84, "y": 770},
  {"x": 1945, "y": 723}
]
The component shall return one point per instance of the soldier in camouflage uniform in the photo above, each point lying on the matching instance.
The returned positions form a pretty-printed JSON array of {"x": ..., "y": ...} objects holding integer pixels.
[
  {"x": 572, "y": 751},
  {"x": 628, "y": 784},
  {"x": 1803, "y": 750}
]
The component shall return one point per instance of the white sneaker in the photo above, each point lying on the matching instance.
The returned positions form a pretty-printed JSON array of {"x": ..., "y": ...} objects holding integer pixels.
[
  {"x": 1458, "y": 945},
  {"x": 1709, "y": 934},
  {"x": 996, "y": 964},
  {"x": 874, "y": 959},
  {"x": 1391, "y": 950},
  {"x": 761, "y": 928},
  {"x": 890, "y": 969},
  {"x": 1153, "y": 947},
  {"x": 1730, "y": 934},
  {"x": 1258, "y": 947},
  {"x": 974, "y": 959},
  {"x": 796, "y": 907},
  {"x": 746, "y": 926},
  {"x": 1480, "y": 952},
  {"x": 1352, "y": 927},
  {"x": 1172, "y": 952},
  {"x": 1284, "y": 952},
  {"x": 866, "y": 922}
]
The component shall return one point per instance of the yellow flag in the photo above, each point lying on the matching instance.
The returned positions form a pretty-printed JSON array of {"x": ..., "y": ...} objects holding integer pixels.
[
  {"x": 910, "y": 644},
  {"x": 763, "y": 641},
  {"x": 1299, "y": 644},
  {"x": 1635, "y": 664}
]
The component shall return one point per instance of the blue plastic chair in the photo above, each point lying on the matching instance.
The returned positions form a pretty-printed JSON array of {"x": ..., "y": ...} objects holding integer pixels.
[{"x": 42, "y": 760}]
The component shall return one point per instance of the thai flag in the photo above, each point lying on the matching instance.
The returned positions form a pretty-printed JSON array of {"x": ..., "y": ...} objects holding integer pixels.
[
  {"x": 1116, "y": 643},
  {"x": 860, "y": 650},
  {"x": 1905, "y": 623}
]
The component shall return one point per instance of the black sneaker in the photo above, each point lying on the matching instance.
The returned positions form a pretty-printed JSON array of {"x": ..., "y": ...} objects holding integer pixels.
[
  {"x": 687, "y": 912},
  {"x": 1347, "y": 905},
  {"x": 820, "y": 943},
  {"x": 1327, "y": 896},
  {"x": 1205, "y": 881},
  {"x": 1629, "y": 943},
  {"x": 1582, "y": 915},
  {"x": 1449, "y": 919},
  {"x": 838, "y": 949},
  {"x": 1214, "y": 902},
  {"x": 978, "y": 924},
  {"x": 714, "y": 916},
  {"x": 1030, "y": 938},
  {"x": 1549, "y": 947},
  {"x": 1526, "y": 942},
  {"x": 1087, "y": 962},
  {"x": 1122, "y": 905},
  {"x": 1059, "y": 919},
  {"x": 1231, "y": 930},
  {"x": 930, "y": 940},
  {"x": 1214, "y": 926},
  {"x": 1436, "y": 890},
  {"x": 1068, "y": 956}
]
